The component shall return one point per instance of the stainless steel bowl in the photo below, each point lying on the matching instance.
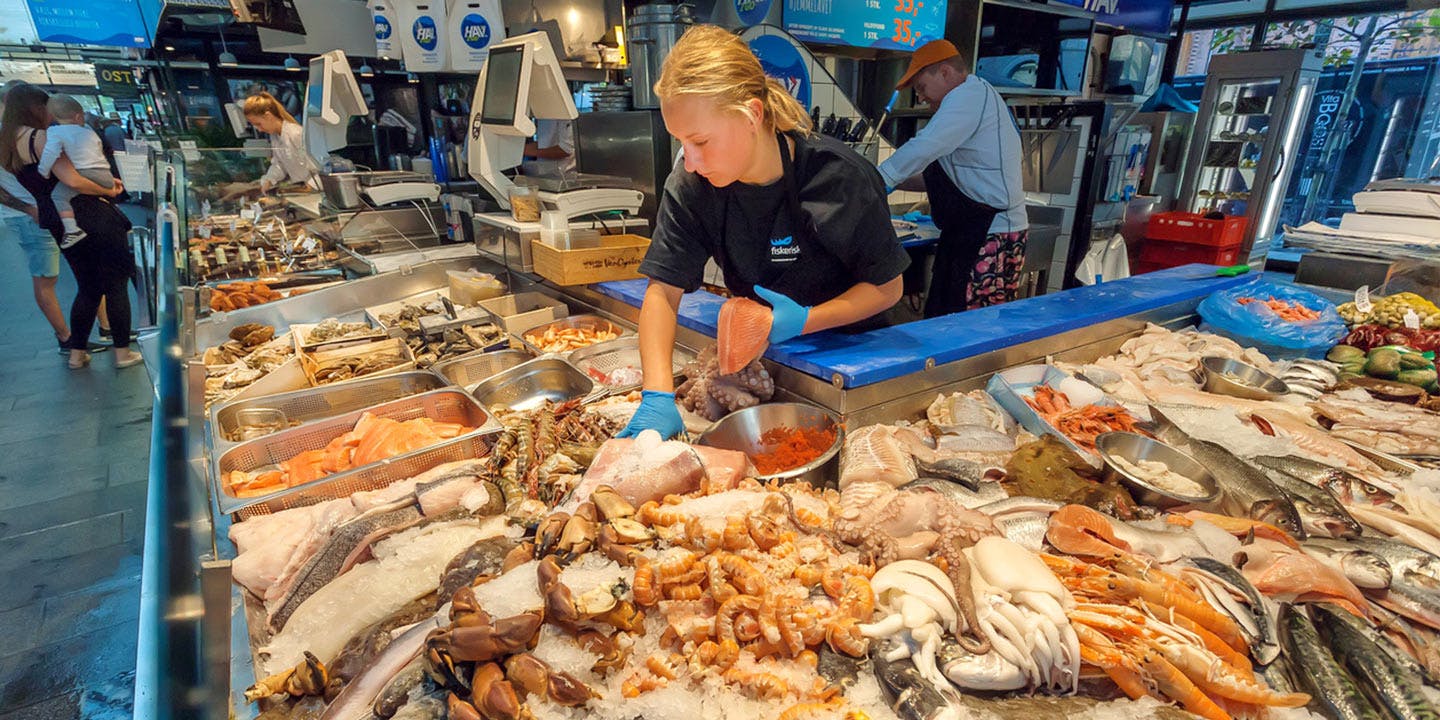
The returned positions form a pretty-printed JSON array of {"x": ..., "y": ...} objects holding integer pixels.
[
  {"x": 593, "y": 323},
  {"x": 1133, "y": 447},
  {"x": 1224, "y": 376},
  {"x": 741, "y": 430},
  {"x": 527, "y": 385}
]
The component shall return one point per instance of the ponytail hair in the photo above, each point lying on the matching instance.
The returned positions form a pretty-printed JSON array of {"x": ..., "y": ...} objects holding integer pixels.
[
  {"x": 714, "y": 63},
  {"x": 263, "y": 103}
]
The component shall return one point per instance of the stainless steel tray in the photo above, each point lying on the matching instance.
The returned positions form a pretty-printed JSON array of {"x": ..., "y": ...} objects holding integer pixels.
[
  {"x": 470, "y": 370},
  {"x": 302, "y": 406},
  {"x": 606, "y": 357},
  {"x": 444, "y": 405},
  {"x": 373, "y": 476},
  {"x": 528, "y": 385},
  {"x": 582, "y": 322}
]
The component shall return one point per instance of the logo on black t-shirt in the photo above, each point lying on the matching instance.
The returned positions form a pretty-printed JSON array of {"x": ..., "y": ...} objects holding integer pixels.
[{"x": 784, "y": 249}]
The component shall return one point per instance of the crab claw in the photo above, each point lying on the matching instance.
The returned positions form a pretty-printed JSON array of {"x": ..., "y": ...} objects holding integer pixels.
[
  {"x": 577, "y": 537},
  {"x": 624, "y": 616},
  {"x": 495, "y": 696},
  {"x": 610, "y": 504},
  {"x": 560, "y": 604},
  {"x": 440, "y": 667},
  {"x": 547, "y": 536},
  {"x": 464, "y": 608},
  {"x": 612, "y": 546},
  {"x": 459, "y": 709},
  {"x": 519, "y": 555},
  {"x": 481, "y": 643},
  {"x": 528, "y": 673}
]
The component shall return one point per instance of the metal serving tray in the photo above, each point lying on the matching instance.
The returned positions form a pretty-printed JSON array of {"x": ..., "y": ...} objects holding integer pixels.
[
  {"x": 302, "y": 406},
  {"x": 622, "y": 352},
  {"x": 373, "y": 476},
  {"x": 583, "y": 322},
  {"x": 444, "y": 405},
  {"x": 528, "y": 385},
  {"x": 471, "y": 369}
]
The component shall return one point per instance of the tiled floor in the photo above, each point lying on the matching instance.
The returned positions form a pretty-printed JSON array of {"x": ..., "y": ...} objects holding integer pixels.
[{"x": 74, "y": 447}]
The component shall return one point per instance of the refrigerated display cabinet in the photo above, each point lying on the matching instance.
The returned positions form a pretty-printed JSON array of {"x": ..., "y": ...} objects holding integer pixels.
[{"x": 1246, "y": 138}]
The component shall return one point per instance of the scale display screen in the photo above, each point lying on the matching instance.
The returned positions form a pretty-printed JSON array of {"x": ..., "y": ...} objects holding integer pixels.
[
  {"x": 886, "y": 24},
  {"x": 502, "y": 85}
]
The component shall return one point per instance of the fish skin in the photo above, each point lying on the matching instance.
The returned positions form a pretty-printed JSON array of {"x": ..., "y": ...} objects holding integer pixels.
[
  {"x": 1414, "y": 602},
  {"x": 1266, "y": 646},
  {"x": 1343, "y": 485},
  {"x": 1246, "y": 491},
  {"x": 968, "y": 498},
  {"x": 1387, "y": 683},
  {"x": 966, "y": 472},
  {"x": 1403, "y": 559},
  {"x": 1365, "y": 569},
  {"x": 356, "y": 700},
  {"x": 1026, "y": 530},
  {"x": 911, "y": 696},
  {"x": 1333, "y": 693},
  {"x": 1320, "y": 512},
  {"x": 336, "y": 555}
]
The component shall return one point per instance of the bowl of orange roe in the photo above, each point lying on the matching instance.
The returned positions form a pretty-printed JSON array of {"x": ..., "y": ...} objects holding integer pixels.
[{"x": 785, "y": 441}]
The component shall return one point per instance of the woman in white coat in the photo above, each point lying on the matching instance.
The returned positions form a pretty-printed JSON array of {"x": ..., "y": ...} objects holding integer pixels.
[{"x": 290, "y": 162}]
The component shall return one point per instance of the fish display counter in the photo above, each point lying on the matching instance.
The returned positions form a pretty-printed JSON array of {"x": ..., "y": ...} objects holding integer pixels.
[{"x": 1074, "y": 504}]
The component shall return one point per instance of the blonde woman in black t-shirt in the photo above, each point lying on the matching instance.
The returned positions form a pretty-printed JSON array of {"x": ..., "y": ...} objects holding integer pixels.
[{"x": 793, "y": 219}]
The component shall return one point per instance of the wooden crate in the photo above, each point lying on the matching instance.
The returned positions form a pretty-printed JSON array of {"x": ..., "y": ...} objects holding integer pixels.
[{"x": 617, "y": 258}]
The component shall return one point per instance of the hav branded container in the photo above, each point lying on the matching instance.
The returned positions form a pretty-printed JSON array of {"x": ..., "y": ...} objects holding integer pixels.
[
  {"x": 475, "y": 26},
  {"x": 386, "y": 24},
  {"x": 422, "y": 34}
]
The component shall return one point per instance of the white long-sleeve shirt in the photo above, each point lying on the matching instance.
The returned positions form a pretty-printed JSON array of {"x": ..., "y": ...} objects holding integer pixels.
[
  {"x": 974, "y": 137},
  {"x": 77, "y": 142},
  {"x": 290, "y": 160}
]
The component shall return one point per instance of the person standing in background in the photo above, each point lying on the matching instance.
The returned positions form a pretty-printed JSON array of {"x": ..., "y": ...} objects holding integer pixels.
[
  {"x": 968, "y": 155},
  {"x": 554, "y": 141}
]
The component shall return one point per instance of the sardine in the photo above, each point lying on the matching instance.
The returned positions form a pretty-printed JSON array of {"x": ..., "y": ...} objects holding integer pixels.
[
  {"x": 986, "y": 493},
  {"x": 1332, "y": 691},
  {"x": 911, "y": 696},
  {"x": 1363, "y": 568},
  {"x": 1320, "y": 512},
  {"x": 1389, "y": 683},
  {"x": 1253, "y": 615},
  {"x": 1246, "y": 491}
]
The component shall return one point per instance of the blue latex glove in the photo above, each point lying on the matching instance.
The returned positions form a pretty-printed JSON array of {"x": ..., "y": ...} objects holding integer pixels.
[
  {"x": 657, "y": 412},
  {"x": 788, "y": 316}
]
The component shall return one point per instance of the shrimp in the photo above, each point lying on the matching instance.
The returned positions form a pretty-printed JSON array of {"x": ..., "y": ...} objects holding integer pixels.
[
  {"x": 725, "y": 616},
  {"x": 644, "y": 588}
]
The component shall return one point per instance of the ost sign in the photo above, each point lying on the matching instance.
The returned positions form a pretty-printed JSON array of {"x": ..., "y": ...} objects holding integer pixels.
[{"x": 117, "y": 81}]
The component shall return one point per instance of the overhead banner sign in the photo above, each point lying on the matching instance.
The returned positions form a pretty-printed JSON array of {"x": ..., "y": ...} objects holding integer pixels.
[
  {"x": 71, "y": 73},
  {"x": 117, "y": 81},
  {"x": 1151, "y": 16},
  {"x": 887, "y": 24},
  {"x": 29, "y": 71},
  {"x": 112, "y": 23}
]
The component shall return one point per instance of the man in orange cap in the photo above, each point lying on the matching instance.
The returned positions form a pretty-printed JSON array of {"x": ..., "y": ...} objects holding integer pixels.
[{"x": 969, "y": 157}]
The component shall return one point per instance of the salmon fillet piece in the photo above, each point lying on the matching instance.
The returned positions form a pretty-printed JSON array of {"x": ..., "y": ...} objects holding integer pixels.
[{"x": 742, "y": 335}]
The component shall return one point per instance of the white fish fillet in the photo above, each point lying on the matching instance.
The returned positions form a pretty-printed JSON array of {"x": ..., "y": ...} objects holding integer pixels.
[
  {"x": 406, "y": 567},
  {"x": 268, "y": 544},
  {"x": 877, "y": 453},
  {"x": 371, "y": 499}
]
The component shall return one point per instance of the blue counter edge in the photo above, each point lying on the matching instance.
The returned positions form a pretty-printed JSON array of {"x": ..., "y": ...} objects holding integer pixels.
[{"x": 885, "y": 354}]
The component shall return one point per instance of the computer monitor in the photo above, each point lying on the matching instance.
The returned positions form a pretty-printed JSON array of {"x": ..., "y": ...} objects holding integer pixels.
[
  {"x": 521, "y": 82},
  {"x": 332, "y": 97}
]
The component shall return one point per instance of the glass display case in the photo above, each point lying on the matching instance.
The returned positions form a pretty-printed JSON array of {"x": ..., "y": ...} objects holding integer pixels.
[
  {"x": 235, "y": 237},
  {"x": 1245, "y": 136}
]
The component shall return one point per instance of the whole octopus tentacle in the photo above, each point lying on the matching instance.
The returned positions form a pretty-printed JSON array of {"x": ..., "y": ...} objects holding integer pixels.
[{"x": 972, "y": 640}]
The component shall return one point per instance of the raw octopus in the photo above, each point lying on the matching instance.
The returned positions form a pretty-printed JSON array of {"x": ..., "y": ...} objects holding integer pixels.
[
  {"x": 712, "y": 394},
  {"x": 890, "y": 525},
  {"x": 742, "y": 334}
]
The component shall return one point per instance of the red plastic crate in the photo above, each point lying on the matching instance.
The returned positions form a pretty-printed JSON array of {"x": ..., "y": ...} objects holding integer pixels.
[
  {"x": 1193, "y": 228},
  {"x": 1161, "y": 254}
]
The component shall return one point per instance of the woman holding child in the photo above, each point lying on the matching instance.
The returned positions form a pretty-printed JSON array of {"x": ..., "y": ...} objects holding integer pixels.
[{"x": 98, "y": 252}]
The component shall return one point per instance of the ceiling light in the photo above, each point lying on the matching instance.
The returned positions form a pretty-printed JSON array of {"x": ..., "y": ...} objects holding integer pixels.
[
  {"x": 170, "y": 48},
  {"x": 228, "y": 58},
  {"x": 366, "y": 70},
  {"x": 292, "y": 64}
]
